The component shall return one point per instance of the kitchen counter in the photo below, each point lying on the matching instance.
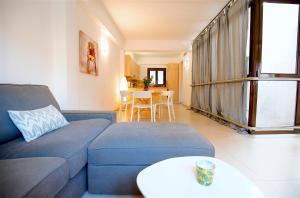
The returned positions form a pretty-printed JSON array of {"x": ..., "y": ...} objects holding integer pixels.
[{"x": 154, "y": 89}]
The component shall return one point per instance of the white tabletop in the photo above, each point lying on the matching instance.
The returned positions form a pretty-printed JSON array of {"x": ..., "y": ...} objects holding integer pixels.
[{"x": 176, "y": 177}]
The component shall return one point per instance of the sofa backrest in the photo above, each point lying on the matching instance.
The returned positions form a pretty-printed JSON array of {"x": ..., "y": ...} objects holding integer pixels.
[{"x": 21, "y": 97}]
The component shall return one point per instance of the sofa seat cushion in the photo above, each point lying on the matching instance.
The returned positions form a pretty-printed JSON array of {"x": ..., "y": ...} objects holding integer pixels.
[
  {"x": 146, "y": 143},
  {"x": 33, "y": 177},
  {"x": 69, "y": 142}
]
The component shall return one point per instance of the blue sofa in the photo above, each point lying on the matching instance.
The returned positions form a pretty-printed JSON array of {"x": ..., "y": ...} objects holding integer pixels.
[
  {"x": 91, "y": 153},
  {"x": 53, "y": 164}
]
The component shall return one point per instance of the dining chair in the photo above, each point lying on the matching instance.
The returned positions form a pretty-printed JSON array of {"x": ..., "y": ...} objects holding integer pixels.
[
  {"x": 138, "y": 97},
  {"x": 166, "y": 100},
  {"x": 124, "y": 102}
]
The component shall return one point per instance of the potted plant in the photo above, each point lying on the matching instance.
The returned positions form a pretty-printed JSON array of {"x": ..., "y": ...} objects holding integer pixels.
[{"x": 147, "y": 82}]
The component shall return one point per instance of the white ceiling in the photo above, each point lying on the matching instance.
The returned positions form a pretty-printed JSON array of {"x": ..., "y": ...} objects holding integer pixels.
[
  {"x": 155, "y": 57},
  {"x": 162, "y": 19},
  {"x": 157, "y": 54}
]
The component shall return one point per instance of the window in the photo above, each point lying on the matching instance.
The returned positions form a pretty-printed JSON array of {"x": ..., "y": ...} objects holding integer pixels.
[
  {"x": 280, "y": 34},
  {"x": 274, "y": 57},
  {"x": 279, "y": 52},
  {"x": 158, "y": 75}
]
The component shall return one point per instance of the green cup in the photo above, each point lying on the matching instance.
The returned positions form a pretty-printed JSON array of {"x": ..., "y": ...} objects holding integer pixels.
[{"x": 205, "y": 172}]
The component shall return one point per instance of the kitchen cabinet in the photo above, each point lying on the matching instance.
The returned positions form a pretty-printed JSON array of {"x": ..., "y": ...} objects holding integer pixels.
[
  {"x": 173, "y": 80},
  {"x": 131, "y": 68}
]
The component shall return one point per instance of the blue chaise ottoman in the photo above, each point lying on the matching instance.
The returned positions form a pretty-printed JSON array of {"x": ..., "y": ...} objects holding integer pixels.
[{"x": 117, "y": 155}]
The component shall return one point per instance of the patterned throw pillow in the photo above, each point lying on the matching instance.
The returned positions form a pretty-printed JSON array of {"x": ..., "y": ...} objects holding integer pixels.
[{"x": 36, "y": 123}]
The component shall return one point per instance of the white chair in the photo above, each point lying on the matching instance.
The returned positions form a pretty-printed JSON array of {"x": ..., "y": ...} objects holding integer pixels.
[
  {"x": 125, "y": 101},
  {"x": 136, "y": 103},
  {"x": 166, "y": 100}
]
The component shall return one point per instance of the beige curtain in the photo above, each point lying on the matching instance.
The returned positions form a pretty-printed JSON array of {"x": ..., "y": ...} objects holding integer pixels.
[
  {"x": 195, "y": 98},
  {"x": 220, "y": 54}
]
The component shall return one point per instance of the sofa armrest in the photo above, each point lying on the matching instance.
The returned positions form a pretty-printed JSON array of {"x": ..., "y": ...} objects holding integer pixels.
[{"x": 85, "y": 115}]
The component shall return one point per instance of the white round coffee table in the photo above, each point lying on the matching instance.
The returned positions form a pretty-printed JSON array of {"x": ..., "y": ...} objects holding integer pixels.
[{"x": 176, "y": 177}]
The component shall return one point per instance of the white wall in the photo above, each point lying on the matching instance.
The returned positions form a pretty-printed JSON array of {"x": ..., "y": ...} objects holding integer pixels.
[
  {"x": 39, "y": 45},
  {"x": 90, "y": 92},
  {"x": 32, "y": 44},
  {"x": 154, "y": 61},
  {"x": 186, "y": 90},
  {"x": 157, "y": 60},
  {"x": 157, "y": 45},
  {"x": 97, "y": 11}
]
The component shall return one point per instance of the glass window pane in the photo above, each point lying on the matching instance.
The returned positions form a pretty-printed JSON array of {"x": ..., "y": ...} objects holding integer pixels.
[
  {"x": 153, "y": 75},
  {"x": 160, "y": 78},
  {"x": 276, "y": 102},
  {"x": 279, "y": 47}
]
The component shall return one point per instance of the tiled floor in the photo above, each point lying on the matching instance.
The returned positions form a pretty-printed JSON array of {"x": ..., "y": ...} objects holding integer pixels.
[{"x": 271, "y": 161}]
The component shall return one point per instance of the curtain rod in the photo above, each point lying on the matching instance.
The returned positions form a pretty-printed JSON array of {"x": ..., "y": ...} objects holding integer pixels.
[
  {"x": 227, "y": 6},
  {"x": 245, "y": 80}
]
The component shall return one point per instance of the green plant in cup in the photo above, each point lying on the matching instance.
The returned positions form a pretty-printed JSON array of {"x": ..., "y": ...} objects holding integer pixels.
[
  {"x": 147, "y": 82},
  {"x": 205, "y": 172}
]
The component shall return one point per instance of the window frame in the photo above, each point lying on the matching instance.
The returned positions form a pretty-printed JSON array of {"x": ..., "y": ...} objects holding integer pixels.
[
  {"x": 256, "y": 31},
  {"x": 156, "y": 76}
]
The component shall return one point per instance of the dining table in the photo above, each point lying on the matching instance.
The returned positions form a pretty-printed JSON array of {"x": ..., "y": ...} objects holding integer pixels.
[{"x": 156, "y": 95}]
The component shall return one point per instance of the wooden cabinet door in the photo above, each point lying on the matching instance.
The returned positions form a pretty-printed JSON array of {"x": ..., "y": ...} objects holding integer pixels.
[
  {"x": 128, "y": 65},
  {"x": 173, "y": 80}
]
